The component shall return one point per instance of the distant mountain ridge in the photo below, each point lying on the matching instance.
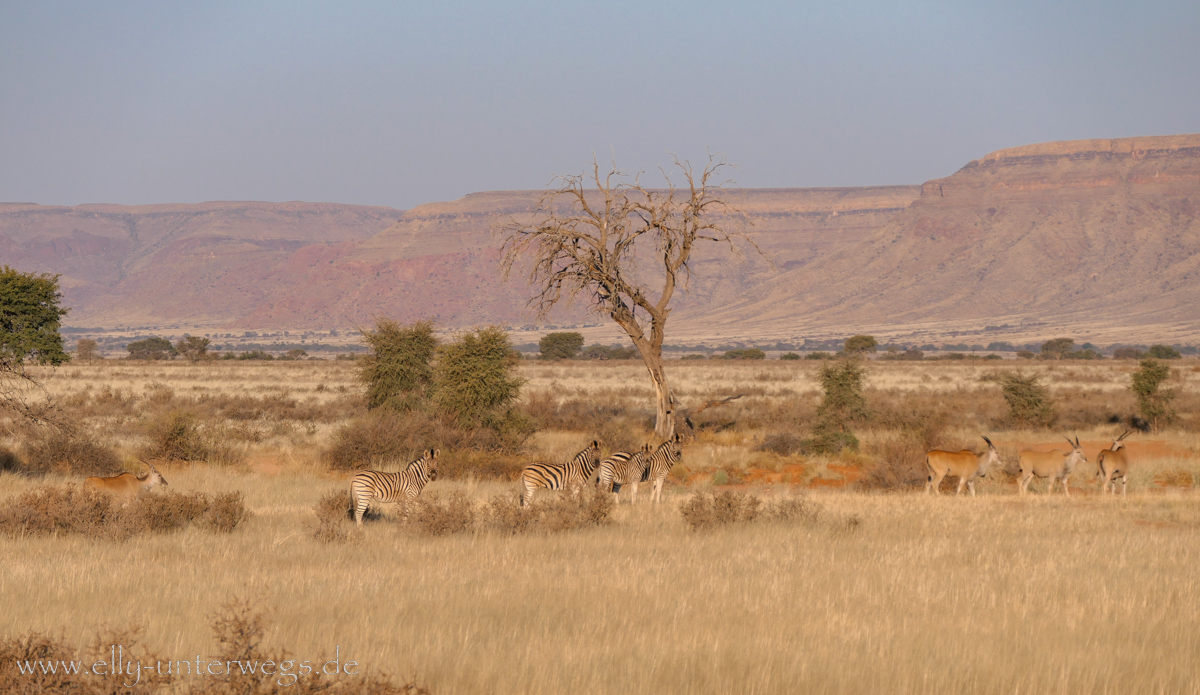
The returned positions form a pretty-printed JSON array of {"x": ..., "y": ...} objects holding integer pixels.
[{"x": 1093, "y": 238}]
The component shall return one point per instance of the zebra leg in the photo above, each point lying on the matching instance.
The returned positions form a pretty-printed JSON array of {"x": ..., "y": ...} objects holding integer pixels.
[
  {"x": 656, "y": 493},
  {"x": 616, "y": 490},
  {"x": 633, "y": 493}
]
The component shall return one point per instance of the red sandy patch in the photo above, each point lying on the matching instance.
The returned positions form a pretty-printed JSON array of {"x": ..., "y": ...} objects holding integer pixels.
[{"x": 265, "y": 464}]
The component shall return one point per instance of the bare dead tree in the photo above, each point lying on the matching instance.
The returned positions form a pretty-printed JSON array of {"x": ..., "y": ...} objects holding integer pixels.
[{"x": 583, "y": 239}]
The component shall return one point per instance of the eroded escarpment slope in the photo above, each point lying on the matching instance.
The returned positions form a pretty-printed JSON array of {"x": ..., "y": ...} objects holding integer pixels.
[{"x": 1096, "y": 238}]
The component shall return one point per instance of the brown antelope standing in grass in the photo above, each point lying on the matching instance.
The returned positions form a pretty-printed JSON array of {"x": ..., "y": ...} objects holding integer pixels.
[
  {"x": 966, "y": 465},
  {"x": 1054, "y": 465},
  {"x": 127, "y": 484},
  {"x": 1114, "y": 464}
]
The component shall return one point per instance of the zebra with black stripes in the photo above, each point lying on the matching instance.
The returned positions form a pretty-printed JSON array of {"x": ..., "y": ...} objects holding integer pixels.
[
  {"x": 405, "y": 486},
  {"x": 658, "y": 464},
  {"x": 623, "y": 468},
  {"x": 560, "y": 476}
]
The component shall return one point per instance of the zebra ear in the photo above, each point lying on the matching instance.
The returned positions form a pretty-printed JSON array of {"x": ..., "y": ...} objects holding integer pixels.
[
  {"x": 595, "y": 443},
  {"x": 433, "y": 453},
  {"x": 647, "y": 446}
]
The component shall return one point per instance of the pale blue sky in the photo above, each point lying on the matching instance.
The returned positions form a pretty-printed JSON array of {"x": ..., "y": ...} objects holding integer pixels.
[{"x": 399, "y": 104}]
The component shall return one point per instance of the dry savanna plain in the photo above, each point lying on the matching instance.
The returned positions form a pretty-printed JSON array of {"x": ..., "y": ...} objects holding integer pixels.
[{"x": 872, "y": 586}]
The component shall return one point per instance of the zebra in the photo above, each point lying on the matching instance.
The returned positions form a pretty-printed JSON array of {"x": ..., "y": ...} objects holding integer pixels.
[
  {"x": 392, "y": 487},
  {"x": 558, "y": 476},
  {"x": 658, "y": 464},
  {"x": 623, "y": 468}
]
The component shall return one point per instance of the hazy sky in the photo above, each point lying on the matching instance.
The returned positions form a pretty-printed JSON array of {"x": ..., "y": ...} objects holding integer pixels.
[{"x": 403, "y": 103}]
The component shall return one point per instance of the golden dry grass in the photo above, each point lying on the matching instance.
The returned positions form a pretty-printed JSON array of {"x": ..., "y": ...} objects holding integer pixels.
[{"x": 996, "y": 594}]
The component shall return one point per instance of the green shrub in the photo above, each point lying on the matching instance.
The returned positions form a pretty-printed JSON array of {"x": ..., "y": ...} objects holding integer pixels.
[
  {"x": 397, "y": 371},
  {"x": 1029, "y": 402},
  {"x": 789, "y": 356},
  {"x": 1153, "y": 401},
  {"x": 694, "y": 356},
  {"x": 475, "y": 378},
  {"x": 842, "y": 405}
]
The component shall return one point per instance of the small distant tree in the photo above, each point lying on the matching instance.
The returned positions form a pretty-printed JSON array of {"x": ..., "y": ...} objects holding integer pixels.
[
  {"x": 818, "y": 355},
  {"x": 85, "y": 349},
  {"x": 789, "y": 356},
  {"x": 1026, "y": 354},
  {"x": 842, "y": 405},
  {"x": 1029, "y": 402},
  {"x": 397, "y": 371},
  {"x": 151, "y": 349},
  {"x": 475, "y": 378},
  {"x": 745, "y": 354},
  {"x": 1163, "y": 352},
  {"x": 560, "y": 346},
  {"x": 1057, "y": 349},
  {"x": 914, "y": 354},
  {"x": 1127, "y": 353},
  {"x": 1153, "y": 401},
  {"x": 193, "y": 348},
  {"x": 295, "y": 354},
  {"x": 860, "y": 345}
]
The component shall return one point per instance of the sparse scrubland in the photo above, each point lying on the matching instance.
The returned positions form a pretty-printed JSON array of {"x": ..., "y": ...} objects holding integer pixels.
[{"x": 768, "y": 568}]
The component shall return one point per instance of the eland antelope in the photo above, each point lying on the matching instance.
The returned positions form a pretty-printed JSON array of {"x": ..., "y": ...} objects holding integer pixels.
[
  {"x": 127, "y": 484},
  {"x": 1114, "y": 464},
  {"x": 966, "y": 465},
  {"x": 1054, "y": 465}
]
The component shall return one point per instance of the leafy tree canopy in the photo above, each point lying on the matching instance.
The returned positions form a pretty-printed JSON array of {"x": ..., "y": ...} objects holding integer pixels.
[
  {"x": 560, "y": 346},
  {"x": 29, "y": 318}
]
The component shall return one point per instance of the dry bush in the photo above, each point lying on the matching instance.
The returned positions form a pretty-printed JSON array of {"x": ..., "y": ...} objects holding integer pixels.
[
  {"x": 782, "y": 443},
  {"x": 489, "y": 465},
  {"x": 617, "y": 425},
  {"x": 503, "y": 514},
  {"x": 21, "y": 651},
  {"x": 226, "y": 511},
  {"x": 176, "y": 436},
  {"x": 383, "y": 435},
  {"x": 9, "y": 461},
  {"x": 899, "y": 463},
  {"x": 702, "y": 511},
  {"x": 239, "y": 629},
  {"x": 705, "y": 511},
  {"x": 437, "y": 517},
  {"x": 335, "y": 512},
  {"x": 569, "y": 512},
  {"x": 71, "y": 510},
  {"x": 70, "y": 452}
]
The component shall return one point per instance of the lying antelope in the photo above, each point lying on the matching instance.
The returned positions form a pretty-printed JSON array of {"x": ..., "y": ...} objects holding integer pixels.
[
  {"x": 127, "y": 483},
  {"x": 1054, "y": 465},
  {"x": 966, "y": 465},
  {"x": 1114, "y": 464}
]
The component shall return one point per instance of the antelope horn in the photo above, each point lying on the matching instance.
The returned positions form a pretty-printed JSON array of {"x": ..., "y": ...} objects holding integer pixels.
[
  {"x": 989, "y": 442},
  {"x": 1127, "y": 433},
  {"x": 1069, "y": 441},
  {"x": 1077, "y": 445}
]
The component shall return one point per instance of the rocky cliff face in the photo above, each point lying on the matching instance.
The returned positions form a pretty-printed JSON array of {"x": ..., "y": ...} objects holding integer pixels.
[{"x": 1094, "y": 238}]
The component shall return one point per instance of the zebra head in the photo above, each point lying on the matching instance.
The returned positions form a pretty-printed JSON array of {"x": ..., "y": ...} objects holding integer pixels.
[{"x": 431, "y": 465}]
